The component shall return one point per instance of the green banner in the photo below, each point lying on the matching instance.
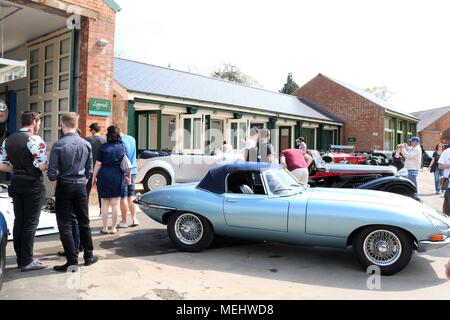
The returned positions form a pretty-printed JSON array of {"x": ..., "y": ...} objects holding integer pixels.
[{"x": 100, "y": 107}]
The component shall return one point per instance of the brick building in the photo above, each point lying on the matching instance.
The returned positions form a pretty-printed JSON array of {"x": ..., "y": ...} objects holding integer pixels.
[
  {"x": 57, "y": 57},
  {"x": 369, "y": 122},
  {"x": 434, "y": 126}
]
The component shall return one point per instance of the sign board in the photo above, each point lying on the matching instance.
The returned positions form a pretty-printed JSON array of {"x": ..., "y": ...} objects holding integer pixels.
[
  {"x": 100, "y": 107},
  {"x": 351, "y": 140}
]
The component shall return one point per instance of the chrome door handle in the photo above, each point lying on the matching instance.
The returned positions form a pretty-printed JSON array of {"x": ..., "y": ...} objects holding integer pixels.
[{"x": 230, "y": 200}]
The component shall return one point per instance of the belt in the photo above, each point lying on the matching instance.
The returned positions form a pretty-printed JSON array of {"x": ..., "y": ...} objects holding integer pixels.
[
  {"x": 29, "y": 178},
  {"x": 72, "y": 181}
]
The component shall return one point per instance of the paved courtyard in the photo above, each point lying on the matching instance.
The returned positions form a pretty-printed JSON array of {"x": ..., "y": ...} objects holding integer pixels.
[{"x": 141, "y": 263}]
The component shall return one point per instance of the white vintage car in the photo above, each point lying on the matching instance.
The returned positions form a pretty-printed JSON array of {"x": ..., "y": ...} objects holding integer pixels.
[
  {"x": 156, "y": 170},
  {"x": 47, "y": 220}
]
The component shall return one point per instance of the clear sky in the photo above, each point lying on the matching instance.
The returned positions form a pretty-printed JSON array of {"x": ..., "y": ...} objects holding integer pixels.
[{"x": 404, "y": 45}]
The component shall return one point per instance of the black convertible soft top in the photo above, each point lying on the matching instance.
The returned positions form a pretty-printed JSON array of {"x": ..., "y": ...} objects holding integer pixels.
[{"x": 214, "y": 181}]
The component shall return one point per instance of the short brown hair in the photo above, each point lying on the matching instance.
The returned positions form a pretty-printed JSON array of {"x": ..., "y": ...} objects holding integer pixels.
[
  {"x": 70, "y": 119},
  {"x": 28, "y": 117}
]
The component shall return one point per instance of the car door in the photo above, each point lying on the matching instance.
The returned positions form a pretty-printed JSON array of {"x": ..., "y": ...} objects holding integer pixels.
[{"x": 256, "y": 212}]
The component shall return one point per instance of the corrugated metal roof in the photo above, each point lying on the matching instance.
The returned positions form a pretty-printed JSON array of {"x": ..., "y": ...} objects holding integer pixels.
[
  {"x": 427, "y": 117},
  {"x": 146, "y": 78},
  {"x": 369, "y": 96}
]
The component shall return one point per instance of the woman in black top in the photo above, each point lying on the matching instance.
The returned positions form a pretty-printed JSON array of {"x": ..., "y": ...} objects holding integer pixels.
[
  {"x": 398, "y": 160},
  {"x": 434, "y": 167}
]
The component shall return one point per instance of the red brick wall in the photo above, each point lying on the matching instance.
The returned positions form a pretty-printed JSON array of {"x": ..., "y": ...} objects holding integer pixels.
[
  {"x": 361, "y": 116},
  {"x": 96, "y": 63},
  {"x": 120, "y": 107},
  {"x": 438, "y": 131},
  {"x": 430, "y": 139}
]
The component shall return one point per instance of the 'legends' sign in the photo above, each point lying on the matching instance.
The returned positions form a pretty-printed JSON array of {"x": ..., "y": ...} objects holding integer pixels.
[{"x": 100, "y": 107}]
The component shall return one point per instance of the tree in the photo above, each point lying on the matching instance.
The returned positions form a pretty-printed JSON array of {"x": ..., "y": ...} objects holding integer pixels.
[
  {"x": 290, "y": 86},
  {"x": 381, "y": 92},
  {"x": 232, "y": 73}
]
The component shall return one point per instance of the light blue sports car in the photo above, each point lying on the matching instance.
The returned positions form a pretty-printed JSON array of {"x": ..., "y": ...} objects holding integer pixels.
[{"x": 265, "y": 202}]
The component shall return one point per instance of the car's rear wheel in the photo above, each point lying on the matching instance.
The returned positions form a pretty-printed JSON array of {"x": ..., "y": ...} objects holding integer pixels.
[
  {"x": 401, "y": 190},
  {"x": 388, "y": 248},
  {"x": 189, "y": 232},
  {"x": 155, "y": 179},
  {"x": 2, "y": 261}
]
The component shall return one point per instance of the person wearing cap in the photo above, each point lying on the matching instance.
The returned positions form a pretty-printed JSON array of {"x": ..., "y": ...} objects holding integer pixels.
[
  {"x": 301, "y": 144},
  {"x": 24, "y": 153},
  {"x": 413, "y": 159}
]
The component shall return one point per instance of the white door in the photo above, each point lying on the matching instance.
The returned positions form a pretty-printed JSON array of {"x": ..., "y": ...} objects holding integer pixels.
[{"x": 49, "y": 82}]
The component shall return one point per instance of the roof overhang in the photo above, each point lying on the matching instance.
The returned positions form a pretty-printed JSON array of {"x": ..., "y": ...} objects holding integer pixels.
[
  {"x": 143, "y": 96},
  {"x": 400, "y": 115},
  {"x": 59, "y": 7}
]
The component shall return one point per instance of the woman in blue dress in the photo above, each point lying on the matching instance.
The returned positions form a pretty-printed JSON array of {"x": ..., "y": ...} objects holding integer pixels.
[{"x": 109, "y": 178}]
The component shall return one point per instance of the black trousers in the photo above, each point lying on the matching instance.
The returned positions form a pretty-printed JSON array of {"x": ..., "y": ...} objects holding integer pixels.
[
  {"x": 28, "y": 197},
  {"x": 70, "y": 197}
]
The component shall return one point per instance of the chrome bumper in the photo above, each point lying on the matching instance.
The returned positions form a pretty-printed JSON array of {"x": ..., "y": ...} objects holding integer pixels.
[{"x": 431, "y": 245}]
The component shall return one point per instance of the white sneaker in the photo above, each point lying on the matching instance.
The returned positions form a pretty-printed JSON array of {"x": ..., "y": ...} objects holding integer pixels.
[
  {"x": 135, "y": 223},
  {"x": 122, "y": 225}
]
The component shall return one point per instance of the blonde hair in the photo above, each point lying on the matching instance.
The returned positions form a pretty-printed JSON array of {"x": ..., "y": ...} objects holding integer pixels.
[{"x": 70, "y": 119}]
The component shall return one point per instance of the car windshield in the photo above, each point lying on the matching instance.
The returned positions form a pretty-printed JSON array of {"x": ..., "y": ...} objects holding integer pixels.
[{"x": 281, "y": 183}]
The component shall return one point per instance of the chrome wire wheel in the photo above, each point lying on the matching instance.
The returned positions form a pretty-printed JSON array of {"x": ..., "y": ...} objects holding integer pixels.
[
  {"x": 382, "y": 247},
  {"x": 189, "y": 229},
  {"x": 157, "y": 181}
]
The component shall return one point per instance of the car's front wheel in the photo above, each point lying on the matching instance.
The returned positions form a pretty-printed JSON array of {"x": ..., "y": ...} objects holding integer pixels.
[
  {"x": 388, "y": 248},
  {"x": 189, "y": 232},
  {"x": 155, "y": 179}
]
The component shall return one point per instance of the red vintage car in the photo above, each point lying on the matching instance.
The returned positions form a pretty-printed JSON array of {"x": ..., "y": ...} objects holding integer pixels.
[
  {"x": 356, "y": 176},
  {"x": 344, "y": 154}
]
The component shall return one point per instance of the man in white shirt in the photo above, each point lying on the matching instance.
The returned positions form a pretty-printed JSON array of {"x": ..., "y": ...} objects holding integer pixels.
[
  {"x": 413, "y": 159},
  {"x": 444, "y": 163},
  {"x": 301, "y": 143}
]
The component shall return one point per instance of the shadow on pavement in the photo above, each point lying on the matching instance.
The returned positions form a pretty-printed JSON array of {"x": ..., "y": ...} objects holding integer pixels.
[{"x": 307, "y": 265}]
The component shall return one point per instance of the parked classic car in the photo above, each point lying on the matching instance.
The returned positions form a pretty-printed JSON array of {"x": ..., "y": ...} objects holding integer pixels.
[
  {"x": 372, "y": 177},
  {"x": 344, "y": 154},
  {"x": 3, "y": 242},
  {"x": 265, "y": 202},
  {"x": 47, "y": 219},
  {"x": 156, "y": 170}
]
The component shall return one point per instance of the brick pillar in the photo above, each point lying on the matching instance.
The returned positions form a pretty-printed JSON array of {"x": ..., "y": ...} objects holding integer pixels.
[{"x": 95, "y": 66}]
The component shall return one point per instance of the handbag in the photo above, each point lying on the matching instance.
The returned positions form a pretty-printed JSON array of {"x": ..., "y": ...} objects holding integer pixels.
[
  {"x": 444, "y": 183},
  {"x": 125, "y": 164}
]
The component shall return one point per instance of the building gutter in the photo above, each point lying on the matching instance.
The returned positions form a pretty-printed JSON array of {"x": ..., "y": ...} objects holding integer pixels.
[{"x": 159, "y": 99}]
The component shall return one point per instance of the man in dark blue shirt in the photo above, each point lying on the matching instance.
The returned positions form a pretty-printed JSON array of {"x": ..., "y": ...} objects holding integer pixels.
[{"x": 70, "y": 167}]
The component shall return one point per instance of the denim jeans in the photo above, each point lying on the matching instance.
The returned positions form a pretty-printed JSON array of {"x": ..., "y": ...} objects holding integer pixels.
[
  {"x": 438, "y": 173},
  {"x": 412, "y": 175}
]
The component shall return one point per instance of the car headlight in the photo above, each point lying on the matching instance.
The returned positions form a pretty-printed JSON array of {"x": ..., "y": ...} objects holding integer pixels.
[{"x": 440, "y": 224}]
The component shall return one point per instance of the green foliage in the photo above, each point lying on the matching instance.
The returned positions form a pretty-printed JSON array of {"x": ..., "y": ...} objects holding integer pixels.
[
  {"x": 290, "y": 86},
  {"x": 232, "y": 73}
]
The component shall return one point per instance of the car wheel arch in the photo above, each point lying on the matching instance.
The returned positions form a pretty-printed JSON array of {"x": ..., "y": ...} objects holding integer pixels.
[{"x": 358, "y": 230}]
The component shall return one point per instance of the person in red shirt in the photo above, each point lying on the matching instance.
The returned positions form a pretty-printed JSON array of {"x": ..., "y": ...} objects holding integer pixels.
[{"x": 297, "y": 162}]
